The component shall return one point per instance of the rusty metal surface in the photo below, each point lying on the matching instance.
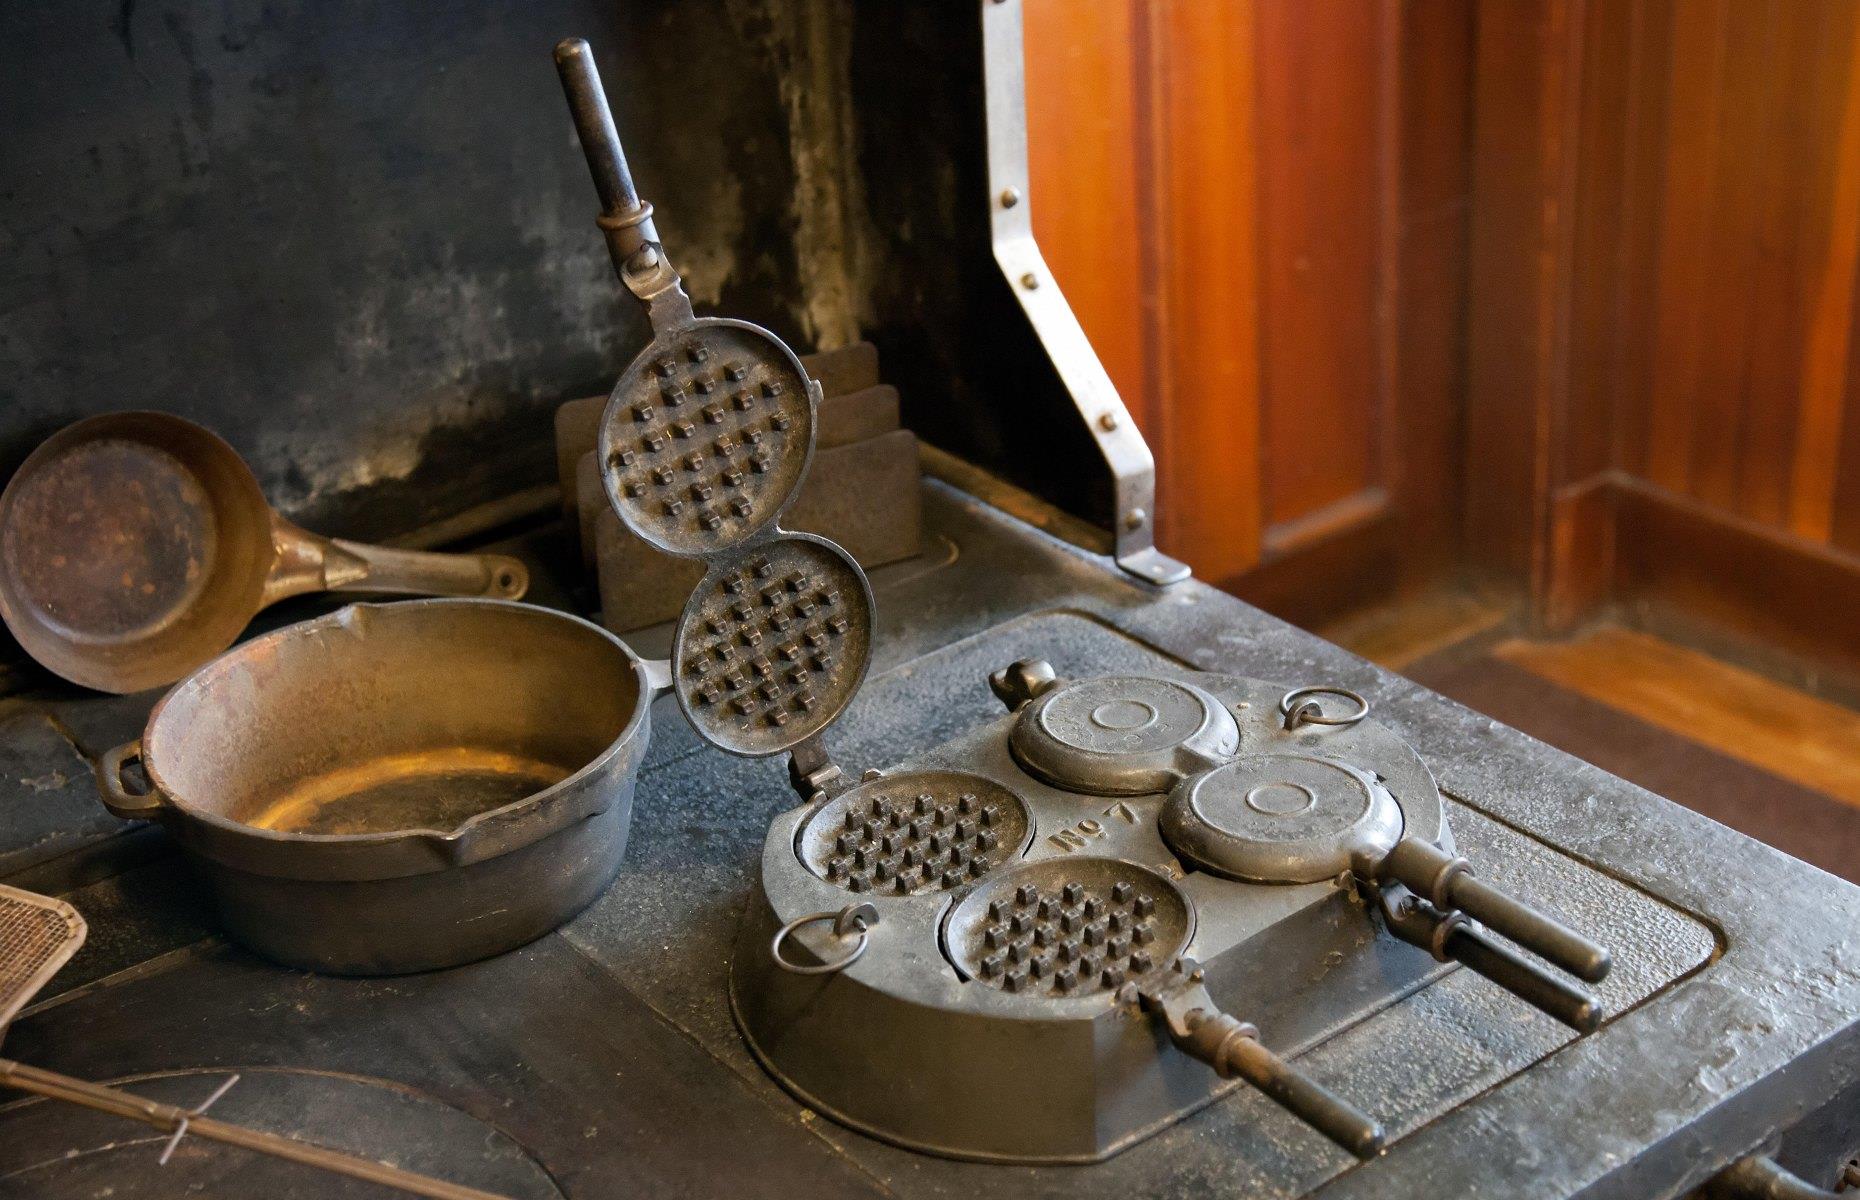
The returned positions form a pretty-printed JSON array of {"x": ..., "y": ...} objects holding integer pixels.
[
  {"x": 349, "y": 238},
  {"x": 864, "y": 496},
  {"x": 134, "y": 546}
]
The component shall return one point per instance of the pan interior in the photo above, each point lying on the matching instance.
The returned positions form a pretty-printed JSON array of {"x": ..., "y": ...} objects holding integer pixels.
[
  {"x": 379, "y": 718},
  {"x": 112, "y": 540},
  {"x": 415, "y": 789}
]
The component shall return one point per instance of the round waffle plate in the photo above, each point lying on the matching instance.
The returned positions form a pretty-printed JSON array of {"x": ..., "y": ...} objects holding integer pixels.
[
  {"x": 1281, "y": 818},
  {"x": 916, "y": 832},
  {"x": 707, "y": 436},
  {"x": 1122, "y": 735},
  {"x": 1068, "y": 927},
  {"x": 772, "y": 644}
]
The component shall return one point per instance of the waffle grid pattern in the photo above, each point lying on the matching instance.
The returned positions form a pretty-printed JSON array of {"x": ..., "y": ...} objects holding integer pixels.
[
  {"x": 772, "y": 645},
  {"x": 707, "y": 440}
]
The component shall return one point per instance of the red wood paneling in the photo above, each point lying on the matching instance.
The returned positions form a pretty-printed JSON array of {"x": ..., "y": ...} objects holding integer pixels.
[{"x": 1266, "y": 245}]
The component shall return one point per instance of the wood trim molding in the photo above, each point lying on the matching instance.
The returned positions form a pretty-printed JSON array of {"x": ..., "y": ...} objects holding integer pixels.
[{"x": 1737, "y": 577}]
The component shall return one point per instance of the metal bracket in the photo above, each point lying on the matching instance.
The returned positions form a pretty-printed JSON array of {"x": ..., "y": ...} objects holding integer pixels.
[{"x": 1133, "y": 468}]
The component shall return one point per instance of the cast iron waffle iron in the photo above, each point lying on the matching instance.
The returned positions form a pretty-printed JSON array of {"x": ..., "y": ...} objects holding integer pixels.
[
  {"x": 704, "y": 443},
  {"x": 1021, "y": 947},
  {"x": 1024, "y": 945}
]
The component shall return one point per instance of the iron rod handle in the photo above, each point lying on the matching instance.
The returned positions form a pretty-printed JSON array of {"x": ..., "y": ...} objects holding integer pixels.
[
  {"x": 309, "y": 562},
  {"x": 1524, "y": 979},
  {"x": 1234, "y": 1050},
  {"x": 594, "y": 125},
  {"x": 625, "y": 218},
  {"x": 1448, "y": 882},
  {"x": 168, "y": 1117}
]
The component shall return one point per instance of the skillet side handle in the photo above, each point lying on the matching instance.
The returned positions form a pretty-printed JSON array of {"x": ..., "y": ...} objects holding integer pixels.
[{"x": 130, "y": 806}]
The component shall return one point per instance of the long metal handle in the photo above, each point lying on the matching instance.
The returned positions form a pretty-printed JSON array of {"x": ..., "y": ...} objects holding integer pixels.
[
  {"x": 1234, "y": 1050},
  {"x": 1565, "y": 1001},
  {"x": 625, "y": 218},
  {"x": 358, "y": 568},
  {"x": 1232, "y": 1047},
  {"x": 172, "y": 1119},
  {"x": 1448, "y": 882},
  {"x": 1452, "y": 935},
  {"x": 310, "y": 562}
]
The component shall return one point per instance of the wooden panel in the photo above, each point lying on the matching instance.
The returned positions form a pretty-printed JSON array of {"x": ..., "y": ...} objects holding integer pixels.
[
  {"x": 1527, "y": 78},
  {"x": 1321, "y": 211},
  {"x": 1258, "y": 211},
  {"x": 1084, "y": 164},
  {"x": 1204, "y": 327},
  {"x": 1738, "y": 577},
  {"x": 1666, "y": 225},
  {"x": 1426, "y": 352},
  {"x": 1747, "y": 337}
]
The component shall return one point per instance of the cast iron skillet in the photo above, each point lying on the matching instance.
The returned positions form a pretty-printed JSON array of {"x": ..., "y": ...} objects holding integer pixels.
[{"x": 135, "y": 546}]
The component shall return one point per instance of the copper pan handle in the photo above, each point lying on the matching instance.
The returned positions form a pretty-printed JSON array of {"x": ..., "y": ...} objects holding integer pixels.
[{"x": 308, "y": 562}]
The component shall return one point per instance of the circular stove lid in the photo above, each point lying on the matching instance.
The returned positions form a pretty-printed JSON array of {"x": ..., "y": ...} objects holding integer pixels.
[
  {"x": 1281, "y": 818},
  {"x": 1122, "y": 735}
]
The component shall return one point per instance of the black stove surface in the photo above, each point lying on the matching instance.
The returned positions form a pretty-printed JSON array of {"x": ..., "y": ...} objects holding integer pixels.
[{"x": 602, "y": 1060}]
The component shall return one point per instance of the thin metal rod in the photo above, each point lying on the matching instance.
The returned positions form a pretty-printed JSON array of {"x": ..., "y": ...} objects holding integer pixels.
[
  {"x": 1760, "y": 1178},
  {"x": 594, "y": 124},
  {"x": 1312, "y": 1102},
  {"x": 1556, "y": 942},
  {"x": 1449, "y": 883},
  {"x": 1524, "y": 979},
  {"x": 625, "y": 220},
  {"x": 170, "y": 1118}
]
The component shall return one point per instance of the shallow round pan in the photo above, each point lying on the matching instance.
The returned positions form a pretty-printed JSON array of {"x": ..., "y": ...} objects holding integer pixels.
[{"x": 135, "y": 546}]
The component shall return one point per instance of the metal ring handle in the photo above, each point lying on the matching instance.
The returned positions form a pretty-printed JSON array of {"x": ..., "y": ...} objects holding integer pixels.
[
  {"x": 130, "y": 806},
  {"x": 854, "y": 918},
  {"x": 1300, "y": 708}
]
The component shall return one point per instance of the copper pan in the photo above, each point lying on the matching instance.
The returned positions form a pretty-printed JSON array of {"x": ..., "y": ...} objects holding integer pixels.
[{"x": 135, "y": 546}]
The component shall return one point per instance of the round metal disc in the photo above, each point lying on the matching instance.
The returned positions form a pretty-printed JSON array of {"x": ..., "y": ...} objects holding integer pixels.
[
  {"x": 1122, "y": 735},
  {"x": 773, "y": 644},
  {"x": 1067, "y": 927},
  {"x": 707, "y": 436},
  {"x": 1281, "y": 818},
  {"x": 916, "y": 832}
]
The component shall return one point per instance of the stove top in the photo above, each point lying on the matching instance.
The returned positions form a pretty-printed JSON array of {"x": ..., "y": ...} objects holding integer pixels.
[{"x": 606, "y": 1061}]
